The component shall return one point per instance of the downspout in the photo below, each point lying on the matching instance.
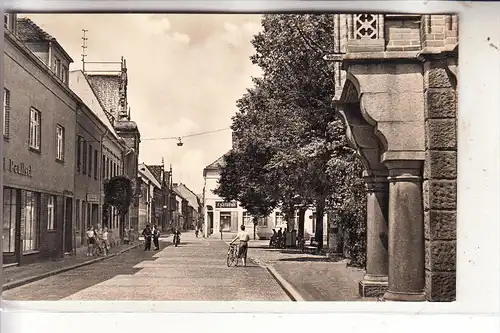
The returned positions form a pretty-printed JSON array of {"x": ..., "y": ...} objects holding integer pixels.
[
  {"x": 99, "y": 212},
  {"x": 77, "y": 210}
]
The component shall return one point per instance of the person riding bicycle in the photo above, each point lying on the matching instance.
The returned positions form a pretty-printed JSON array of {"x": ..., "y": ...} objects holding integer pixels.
[
  {"x": 178, "y": 234},
  {"x": 244, "y": 237}
]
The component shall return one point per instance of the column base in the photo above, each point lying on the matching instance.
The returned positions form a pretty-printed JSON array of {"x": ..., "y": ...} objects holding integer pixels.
[
  {"x": 404, "y": 297},
  {"x": 369, "y": 288}
]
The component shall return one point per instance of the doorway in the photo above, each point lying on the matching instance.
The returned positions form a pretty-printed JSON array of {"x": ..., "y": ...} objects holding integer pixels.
[{"x": 68, "y": 227}]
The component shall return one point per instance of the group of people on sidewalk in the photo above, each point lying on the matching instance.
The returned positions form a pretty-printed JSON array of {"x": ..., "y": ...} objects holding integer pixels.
[{"x": 97, "y": 241}]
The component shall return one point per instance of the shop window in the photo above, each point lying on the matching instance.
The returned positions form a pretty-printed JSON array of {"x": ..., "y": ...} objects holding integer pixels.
[
  {"x": 31, "y": 222},
  {"x": 262, "y": 222},
  {"x": 60, "y": 143},
  {"x": 247, "y": 218},
  {"x": 6, "y": 112},
  {"x": 51, "y": 212},
  {"x": 10, "y": 208},
  {"x": 35, "y": 134}
]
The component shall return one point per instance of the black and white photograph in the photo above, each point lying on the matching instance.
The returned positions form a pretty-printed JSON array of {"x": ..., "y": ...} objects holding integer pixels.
[{"x": 284, "y": 157}]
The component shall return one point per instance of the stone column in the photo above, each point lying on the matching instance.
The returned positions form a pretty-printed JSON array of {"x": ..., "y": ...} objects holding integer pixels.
[
  {"x": 375, "y": 280},
  {"x": 406, "y": 232}
]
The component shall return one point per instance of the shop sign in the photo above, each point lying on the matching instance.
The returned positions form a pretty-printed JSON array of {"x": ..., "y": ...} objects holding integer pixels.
[
  {"x": 226, "y": 204},
  {"x": 92, "y": 198},
  {"x": 17, "y": 168}
]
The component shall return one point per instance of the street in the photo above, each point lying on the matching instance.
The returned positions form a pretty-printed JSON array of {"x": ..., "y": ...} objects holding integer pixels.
[{"x": 195, "y": 270}]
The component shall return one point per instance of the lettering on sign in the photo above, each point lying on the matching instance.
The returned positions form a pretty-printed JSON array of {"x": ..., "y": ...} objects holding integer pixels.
[
  {"x": 17, "y": 168},
  {"x": 92, "y": 198},
  {"x": 334, "y": 57},
  {"x": 225, "y": 204}
]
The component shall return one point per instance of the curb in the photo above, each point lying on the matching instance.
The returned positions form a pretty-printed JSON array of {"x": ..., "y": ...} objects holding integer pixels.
[
  {"x": 289, "y": 290},
  {"x": 30, "y": 279}
]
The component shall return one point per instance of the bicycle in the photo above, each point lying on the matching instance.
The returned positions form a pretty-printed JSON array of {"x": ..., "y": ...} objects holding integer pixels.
[{"x": 232, "y": 255}]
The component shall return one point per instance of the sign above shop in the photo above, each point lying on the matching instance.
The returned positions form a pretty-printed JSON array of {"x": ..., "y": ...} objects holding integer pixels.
[
  {"x": 17, "y": 168},
  {"x": 226, "y": 204},
  {"x": 92, "y": 198}
]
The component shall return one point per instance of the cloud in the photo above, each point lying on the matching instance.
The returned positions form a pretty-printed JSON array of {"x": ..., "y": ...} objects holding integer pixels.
[{"x": 185, "y": 74}]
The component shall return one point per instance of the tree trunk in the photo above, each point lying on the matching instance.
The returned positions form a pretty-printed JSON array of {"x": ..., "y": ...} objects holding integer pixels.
[
  {"x": 302, "y": 218},
  {"x": 320, "y": 209},
  {"x": 255, "y": 222}
]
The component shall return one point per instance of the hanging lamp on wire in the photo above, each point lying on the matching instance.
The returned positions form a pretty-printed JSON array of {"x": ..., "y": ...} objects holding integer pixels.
[{"x": 180, "y": 143}]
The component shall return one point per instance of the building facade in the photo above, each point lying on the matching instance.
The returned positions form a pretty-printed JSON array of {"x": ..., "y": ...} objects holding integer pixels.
[
  {"x": 147, "y": 205},
  {"x": 161, "y": 196},
  {"x": 110, "y": 89},
  {"x": 398, "y": 74},
  {"x": 226, "y": 217},
  {"x": 192, "y": 206},
  {"x": 39, "y": 151},
  {"x": 99, "y": 157}
]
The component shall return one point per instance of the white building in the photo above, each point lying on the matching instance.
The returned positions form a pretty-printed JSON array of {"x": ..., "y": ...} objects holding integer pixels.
[
  {"x": 228, "y": 216},
  {"x": 146, "y": 202}
]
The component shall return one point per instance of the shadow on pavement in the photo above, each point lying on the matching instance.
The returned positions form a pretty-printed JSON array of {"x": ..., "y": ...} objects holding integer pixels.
[
  {"x": 306, "y": 259},
  {"x": 65, "y": 284}
]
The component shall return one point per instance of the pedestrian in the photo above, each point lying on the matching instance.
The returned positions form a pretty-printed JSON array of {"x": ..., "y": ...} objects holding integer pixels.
[
  {"x": 156, "y": 237},
  {"x": 105, "y": 240},
  {"x": 244, "y": 237},
  {"x": 147, "y": 238},
  {"x": 90, "y": 240},
  {"x": 196, "y": 233}
]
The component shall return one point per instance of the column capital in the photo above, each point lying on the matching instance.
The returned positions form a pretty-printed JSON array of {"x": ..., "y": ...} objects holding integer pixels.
[
  {"x": 404, "y": 170},
  {"x": 375, "y": 181}
]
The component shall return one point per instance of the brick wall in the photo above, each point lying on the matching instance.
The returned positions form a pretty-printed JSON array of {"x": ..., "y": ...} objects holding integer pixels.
[
  {"x": 439, "y": 30},
  {"x": 440, "y": 174},
  {"x": 402, "y": 33}
]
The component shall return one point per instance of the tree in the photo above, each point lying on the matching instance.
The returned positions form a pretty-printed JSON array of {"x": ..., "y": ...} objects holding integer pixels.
[
  {"x": 118, "y": 192},
  {"x": 288, "y": 115}
]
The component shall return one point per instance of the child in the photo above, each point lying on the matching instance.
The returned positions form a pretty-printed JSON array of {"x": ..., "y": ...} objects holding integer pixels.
[{"x": 90, "y": 240}]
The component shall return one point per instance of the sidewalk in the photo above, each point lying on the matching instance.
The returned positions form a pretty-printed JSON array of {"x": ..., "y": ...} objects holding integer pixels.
[
  {"x": 313, "y": 277},
  {"x": 15, "y": 276}
]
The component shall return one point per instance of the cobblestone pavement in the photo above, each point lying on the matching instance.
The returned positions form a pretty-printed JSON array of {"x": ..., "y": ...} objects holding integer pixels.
[
  {"x": 315, "y": 277},
  {"x": 15, "y": 273},
  {"x": 195, "y": 270}
]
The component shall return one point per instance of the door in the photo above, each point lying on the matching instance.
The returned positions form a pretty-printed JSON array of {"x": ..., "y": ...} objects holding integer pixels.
[
  {"x": 210, "y": 223},
  {"x": 68, "y": 228}
]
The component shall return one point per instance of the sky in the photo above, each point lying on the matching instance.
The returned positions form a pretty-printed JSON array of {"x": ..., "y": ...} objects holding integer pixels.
[{"x": 185, "y": 73}]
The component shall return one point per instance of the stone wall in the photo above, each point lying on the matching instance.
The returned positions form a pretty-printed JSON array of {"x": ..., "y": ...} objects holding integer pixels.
[{"x": 440, "y": 174}]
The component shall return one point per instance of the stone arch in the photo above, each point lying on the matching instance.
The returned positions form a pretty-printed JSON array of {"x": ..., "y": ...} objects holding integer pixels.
[{"x": 361, "y": 133}]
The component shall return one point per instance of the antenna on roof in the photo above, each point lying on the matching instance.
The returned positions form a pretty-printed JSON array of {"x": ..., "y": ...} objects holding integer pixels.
[{"x": 84, "y": 46}]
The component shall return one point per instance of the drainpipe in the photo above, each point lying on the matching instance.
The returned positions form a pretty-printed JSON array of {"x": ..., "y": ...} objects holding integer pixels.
[
  {"x": 99, "y": 212},
  {"x": 77, "y": 210}
]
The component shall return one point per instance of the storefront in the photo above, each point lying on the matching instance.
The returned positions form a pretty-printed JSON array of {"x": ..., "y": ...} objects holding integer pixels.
[{"x": 227, "y": 216}]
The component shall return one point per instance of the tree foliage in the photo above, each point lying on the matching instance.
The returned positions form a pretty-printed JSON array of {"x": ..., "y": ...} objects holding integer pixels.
[
  {"x": 118, "y": 193},
  {"x": 289, "y": 147}
]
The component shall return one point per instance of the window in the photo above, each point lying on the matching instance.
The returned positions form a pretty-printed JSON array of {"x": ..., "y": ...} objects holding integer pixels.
[
  {"x": 78, "y": 153},
  {"x": 103, "y": 167},
  {"x": 57, "y": 67},
  {"x": 84, "y": 162},
  {"x": 279, "y": 218},
  {"x": 247, "y": 219},
  {"x": 59, "y": 143},
  {"x": 6, "y": 112},
  {"x": 64, "y": 74},
  {"x": 6, "y": 20},
  {"x": 10, "y": 206},
  {"x": 30, "y": 225},
  {"x": 90, "y": 161},
  {"x": 51, "y": 203},
  {"x": 95, "y": 164},
  {"x": 262, "y": 222},
  {"x": 35, "y": 135}
]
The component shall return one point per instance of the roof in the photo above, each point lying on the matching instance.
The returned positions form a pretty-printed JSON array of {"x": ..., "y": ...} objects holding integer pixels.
[
  {"x": 144, "y": 171},
  {"x": 156, "y": 170},
  {"x": 217, "y": 164},
  {"x": 100, "y": 112},
  {"x": 190, "y": 196},
  {"x": 29, "y": 31}
]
